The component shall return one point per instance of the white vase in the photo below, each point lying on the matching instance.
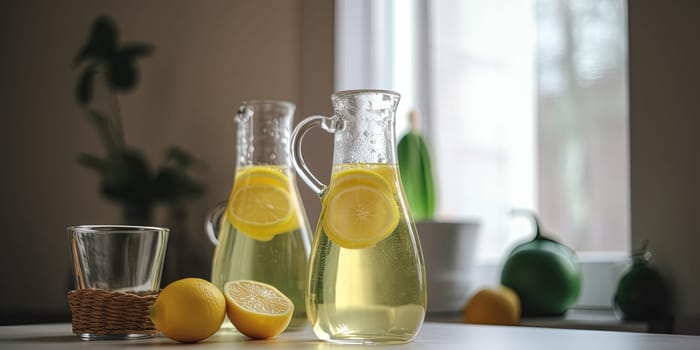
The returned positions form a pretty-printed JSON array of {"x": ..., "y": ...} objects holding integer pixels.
[{"x": 449, "y": 250}]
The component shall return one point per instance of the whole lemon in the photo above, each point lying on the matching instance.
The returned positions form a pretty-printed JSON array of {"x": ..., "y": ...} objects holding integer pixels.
[
  {"x": 189, "y": 310},
  {"x": 497, "y": 306}
]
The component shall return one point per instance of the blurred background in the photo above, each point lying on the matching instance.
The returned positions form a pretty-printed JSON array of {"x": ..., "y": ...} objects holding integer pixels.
[{"x": 584, "y": 111}]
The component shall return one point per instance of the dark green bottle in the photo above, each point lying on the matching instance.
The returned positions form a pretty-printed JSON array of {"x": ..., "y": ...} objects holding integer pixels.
[{"x": 642, "y": 294}]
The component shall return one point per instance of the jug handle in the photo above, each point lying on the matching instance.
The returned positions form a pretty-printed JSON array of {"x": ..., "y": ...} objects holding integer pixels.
[
  {"x": 329, "y": 124},
  {"x": 211, "y": 225}
]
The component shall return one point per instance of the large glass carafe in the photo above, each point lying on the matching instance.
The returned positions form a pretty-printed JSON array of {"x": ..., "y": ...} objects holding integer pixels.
[
  {"x": 367, "y": 276},
  {"x": 263, "y": 231}
]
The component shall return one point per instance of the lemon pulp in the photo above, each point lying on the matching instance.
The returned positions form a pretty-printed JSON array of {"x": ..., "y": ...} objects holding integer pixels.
[
  {"x": 257, "y": 309},
  {"x": 360, "y": 209},
  {"x": 261, "y": 203}
]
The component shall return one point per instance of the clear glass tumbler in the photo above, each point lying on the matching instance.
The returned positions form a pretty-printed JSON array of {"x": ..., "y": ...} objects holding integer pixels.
[{"x": 112, "y": 258}]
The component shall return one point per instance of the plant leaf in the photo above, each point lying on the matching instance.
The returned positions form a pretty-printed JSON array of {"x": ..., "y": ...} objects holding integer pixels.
[
  {"x": 173, "y": 185},
  {"x": 84, "y": 91},
  {"x": 134, "y": 50},
  {"x": 84, "y": 53},
  {"x": 127, "y": 177},
  {"x": 103, "y": 37},
  {"x": 191, "y": 189},
  {"x": 101, "y": 43},
  {"x": 104, "y": 130},
  {"x": 181, "y": 158},
  {"x": 122, "y": 73},
  {"x": 93, "y": 162}
]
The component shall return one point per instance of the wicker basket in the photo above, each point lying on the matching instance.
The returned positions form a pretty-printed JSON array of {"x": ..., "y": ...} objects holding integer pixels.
[{"x": 97, "y": 311}]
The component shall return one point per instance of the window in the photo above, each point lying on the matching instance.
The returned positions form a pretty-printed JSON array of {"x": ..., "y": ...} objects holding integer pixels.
[{"x": 524, "y": 104}]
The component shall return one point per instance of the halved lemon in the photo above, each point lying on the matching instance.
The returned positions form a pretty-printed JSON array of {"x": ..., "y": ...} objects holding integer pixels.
[
  {"x": 261, "y": 204},
  {"x": 360, "y": 209},
  {"x": 257, "y": 309}
]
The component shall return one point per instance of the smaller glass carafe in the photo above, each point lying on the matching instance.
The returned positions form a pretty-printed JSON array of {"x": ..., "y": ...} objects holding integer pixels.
[
  {"x": 263, "y": 232},
  {"x": 367, "y": 276}
]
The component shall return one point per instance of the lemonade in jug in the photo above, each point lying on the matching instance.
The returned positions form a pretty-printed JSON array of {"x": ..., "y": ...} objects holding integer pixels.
[
  {"x": 367, "y": 276},
  {"x": 263, "y": 232}
]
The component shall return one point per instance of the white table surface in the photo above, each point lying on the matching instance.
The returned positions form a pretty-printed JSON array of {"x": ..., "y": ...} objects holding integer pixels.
[{"x": 432, "y": 336}]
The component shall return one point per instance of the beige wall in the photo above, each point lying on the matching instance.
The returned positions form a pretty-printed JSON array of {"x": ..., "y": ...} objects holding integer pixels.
[
  {"x": 664, "y": 63},
  {"x": 210, "y": 55}
]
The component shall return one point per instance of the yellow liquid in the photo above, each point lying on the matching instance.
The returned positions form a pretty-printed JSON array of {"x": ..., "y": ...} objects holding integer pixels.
[
  {"x": 280, "y": 262},
  {"x": 369, "y": 295}
]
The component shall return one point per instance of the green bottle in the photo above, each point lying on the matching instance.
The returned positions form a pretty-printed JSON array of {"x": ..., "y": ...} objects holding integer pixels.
[{"x": 642, "y": 294}]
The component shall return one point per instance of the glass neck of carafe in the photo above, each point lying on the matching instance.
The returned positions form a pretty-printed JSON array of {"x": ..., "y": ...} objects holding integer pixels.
[
  {"x": 364, "y": 121},
  {"x": 263, "y": 133}
]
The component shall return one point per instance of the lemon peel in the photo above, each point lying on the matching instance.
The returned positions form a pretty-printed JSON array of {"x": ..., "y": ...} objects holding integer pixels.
[{"x": 257, "y": 309}]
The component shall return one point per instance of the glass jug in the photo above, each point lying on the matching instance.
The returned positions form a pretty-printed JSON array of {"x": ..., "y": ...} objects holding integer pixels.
[
  {"x": 367, "y": 276},
  {"x": 263, "y": 231}
]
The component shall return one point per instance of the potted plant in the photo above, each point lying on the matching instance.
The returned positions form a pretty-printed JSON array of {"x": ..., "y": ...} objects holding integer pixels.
[{"x": 126, "y": 176}]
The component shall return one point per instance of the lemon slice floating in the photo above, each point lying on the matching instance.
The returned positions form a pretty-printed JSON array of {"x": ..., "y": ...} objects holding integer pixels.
[
  {"x": 269, "y": 172},
  {"x": 261, "y": 204},
  {"x": 360, "y": 209},
  {"x": 257, "y": 309}
]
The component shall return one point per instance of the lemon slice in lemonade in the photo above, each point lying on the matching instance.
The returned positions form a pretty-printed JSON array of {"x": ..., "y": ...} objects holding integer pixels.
[
  {"x": 360, "y": 209},
  {"x": 261, "y": 204}
]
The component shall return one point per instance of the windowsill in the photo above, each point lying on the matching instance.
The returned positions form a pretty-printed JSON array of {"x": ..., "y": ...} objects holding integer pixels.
[
  {"x": 587, "y": 319},
  {"x": 600, "y": 271},
  {"x": 590, "y": 319}
]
